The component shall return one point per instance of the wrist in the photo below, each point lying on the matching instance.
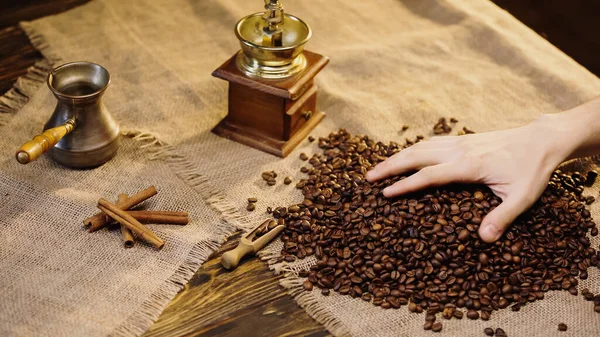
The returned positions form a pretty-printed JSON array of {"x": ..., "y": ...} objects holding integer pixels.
[{"x": 559, "y": 137}]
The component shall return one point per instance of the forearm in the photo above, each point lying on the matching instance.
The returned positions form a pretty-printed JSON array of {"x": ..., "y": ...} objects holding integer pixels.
[{"x": 574, "y": 133}]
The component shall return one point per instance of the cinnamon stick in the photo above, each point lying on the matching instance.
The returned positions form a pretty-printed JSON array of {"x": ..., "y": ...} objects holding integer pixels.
[
  {"x": 128, "y": 221},
  {"x": 128, "y": 239},
  {"x": 99, "y": 220},
  {"x": 160, "y": 217}
]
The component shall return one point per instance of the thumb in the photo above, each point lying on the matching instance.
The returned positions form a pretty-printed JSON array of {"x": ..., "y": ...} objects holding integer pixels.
[{"x": 497, "y": 221}]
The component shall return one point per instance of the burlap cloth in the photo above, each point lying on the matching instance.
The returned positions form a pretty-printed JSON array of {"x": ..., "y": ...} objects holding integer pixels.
[{"x": 393, "y": 63}]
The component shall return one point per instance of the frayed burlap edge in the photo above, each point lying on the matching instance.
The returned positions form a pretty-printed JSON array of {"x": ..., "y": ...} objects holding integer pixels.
[
  {"x": 232, "y": 220},
  {"x": 24, "y": 88}
]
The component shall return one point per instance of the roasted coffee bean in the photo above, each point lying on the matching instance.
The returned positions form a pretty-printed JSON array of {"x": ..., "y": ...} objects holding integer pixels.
[
  {"x": 467, "y": 130},
  {"x": 463, "y": 235},
  {"x": 311, "y": 139},
  {"x": 500, "y": 333},
  {"x": 307, "y": 285},
  {"x": 423, "y": 250},
  {"x": 303, "y": 156},
  {"x": 405, "y": 127},
  {"x": 441, "y": 127},
  {"x": 271, "y": 182},
  {"x": 489, "y": 331},
  {"x": 251, "y": 207},
  {"x": 453, "y": 120},
  {"x": 562, "y": 327},
  {"x": 590, "y": 200},
  {"x": 287, "y": 180},
  {"x": 472, "y": 314},
  {"x": 427, "y": 325},
  {"x": 252, "y": 199},
  {"x": 325, "y": 292},
  {"x": 436, "y": 327}
]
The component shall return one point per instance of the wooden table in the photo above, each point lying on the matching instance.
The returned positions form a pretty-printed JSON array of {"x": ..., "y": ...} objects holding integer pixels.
[{"x": 249, "y": 300}]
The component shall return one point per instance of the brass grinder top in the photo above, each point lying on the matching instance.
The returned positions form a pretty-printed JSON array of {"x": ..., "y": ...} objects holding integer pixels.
[{"x": 272, "y": 43}]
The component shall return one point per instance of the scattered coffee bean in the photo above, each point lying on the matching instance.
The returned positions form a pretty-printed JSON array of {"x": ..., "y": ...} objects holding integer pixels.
[
  {"x": 597, "y": 308},
  {"x": 489, "y": 331},
  {"x": 251, "y": 207},
  {"x": 590, "y": 200},
  {"x": 500, "y": 333},
  {"x": 251, "y": 200},
  {"x": 303, "y": 156},
  {"x": 562, "y": 327},
  {"x": 467, "y": 131},
  {"x": 405, "y": 127},
  {"x": 422, "y": 250},
  {"x": 427, "y": 325},
  {"x": 271, "y": 182},
  {"x": 436, "y": 327},
  {"x": 325, "y": 292},
  {"x": 311, "y": 139},
  {"x": 453, "y": 120},
  {"x": 287, "y": 180},
  {"x": 442, "y": 127},
  {"x": 308, "y": 286}
]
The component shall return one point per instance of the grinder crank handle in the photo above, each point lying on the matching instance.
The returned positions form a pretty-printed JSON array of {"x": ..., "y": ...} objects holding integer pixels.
[{"x": 34, "y": 148}]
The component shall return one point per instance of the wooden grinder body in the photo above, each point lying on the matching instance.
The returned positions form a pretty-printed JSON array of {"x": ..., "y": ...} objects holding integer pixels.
[{"x": 271, "y": 115}]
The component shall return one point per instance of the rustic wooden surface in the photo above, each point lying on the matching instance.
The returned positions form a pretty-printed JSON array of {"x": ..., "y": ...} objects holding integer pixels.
[{"x": 249, "y": 301}]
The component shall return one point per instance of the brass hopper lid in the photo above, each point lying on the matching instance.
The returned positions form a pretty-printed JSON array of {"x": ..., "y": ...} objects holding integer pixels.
[{"x": 272, "y": 43}]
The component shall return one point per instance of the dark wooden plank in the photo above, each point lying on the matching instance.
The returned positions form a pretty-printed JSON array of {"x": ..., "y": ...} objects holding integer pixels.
[
  {"x": 15, "y": 11},
  {"x": 217, "y": 302},
  {"x": 16, "y": 55},
  {"x": 16, "y": 52}
]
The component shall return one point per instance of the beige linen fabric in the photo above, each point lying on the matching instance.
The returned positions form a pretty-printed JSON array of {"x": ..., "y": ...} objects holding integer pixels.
[{"x": 392, "y": 63}]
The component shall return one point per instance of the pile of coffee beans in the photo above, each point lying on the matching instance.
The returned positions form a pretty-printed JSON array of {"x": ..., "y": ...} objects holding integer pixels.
[{"x": 422, "y": 250}]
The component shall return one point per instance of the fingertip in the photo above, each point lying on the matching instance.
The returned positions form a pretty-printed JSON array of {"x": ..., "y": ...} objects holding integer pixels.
[
  {"x": 386, "y": 192},
  {"x": 371, "y": 176},
  {"x": 490, "y": 232}
]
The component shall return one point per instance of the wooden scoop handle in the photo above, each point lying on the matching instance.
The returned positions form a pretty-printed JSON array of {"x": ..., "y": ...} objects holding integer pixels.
[
  {"x": 34, "y": 148},
  {"x": 230, "y": 259}
]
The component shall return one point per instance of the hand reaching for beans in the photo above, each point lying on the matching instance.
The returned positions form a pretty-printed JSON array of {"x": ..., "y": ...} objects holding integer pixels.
[{"x": 516, "y": 163}]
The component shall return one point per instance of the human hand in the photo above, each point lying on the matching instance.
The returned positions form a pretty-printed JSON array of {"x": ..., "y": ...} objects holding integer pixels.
[{"x": 516, "y": 164}]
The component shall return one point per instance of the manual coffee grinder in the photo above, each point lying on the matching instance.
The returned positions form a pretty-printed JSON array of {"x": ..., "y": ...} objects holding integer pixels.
[{"x": 272, "y": 95}]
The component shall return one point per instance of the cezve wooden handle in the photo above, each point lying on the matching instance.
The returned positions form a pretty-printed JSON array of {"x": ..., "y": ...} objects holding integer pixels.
[{"x": 34, "y": 148}]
